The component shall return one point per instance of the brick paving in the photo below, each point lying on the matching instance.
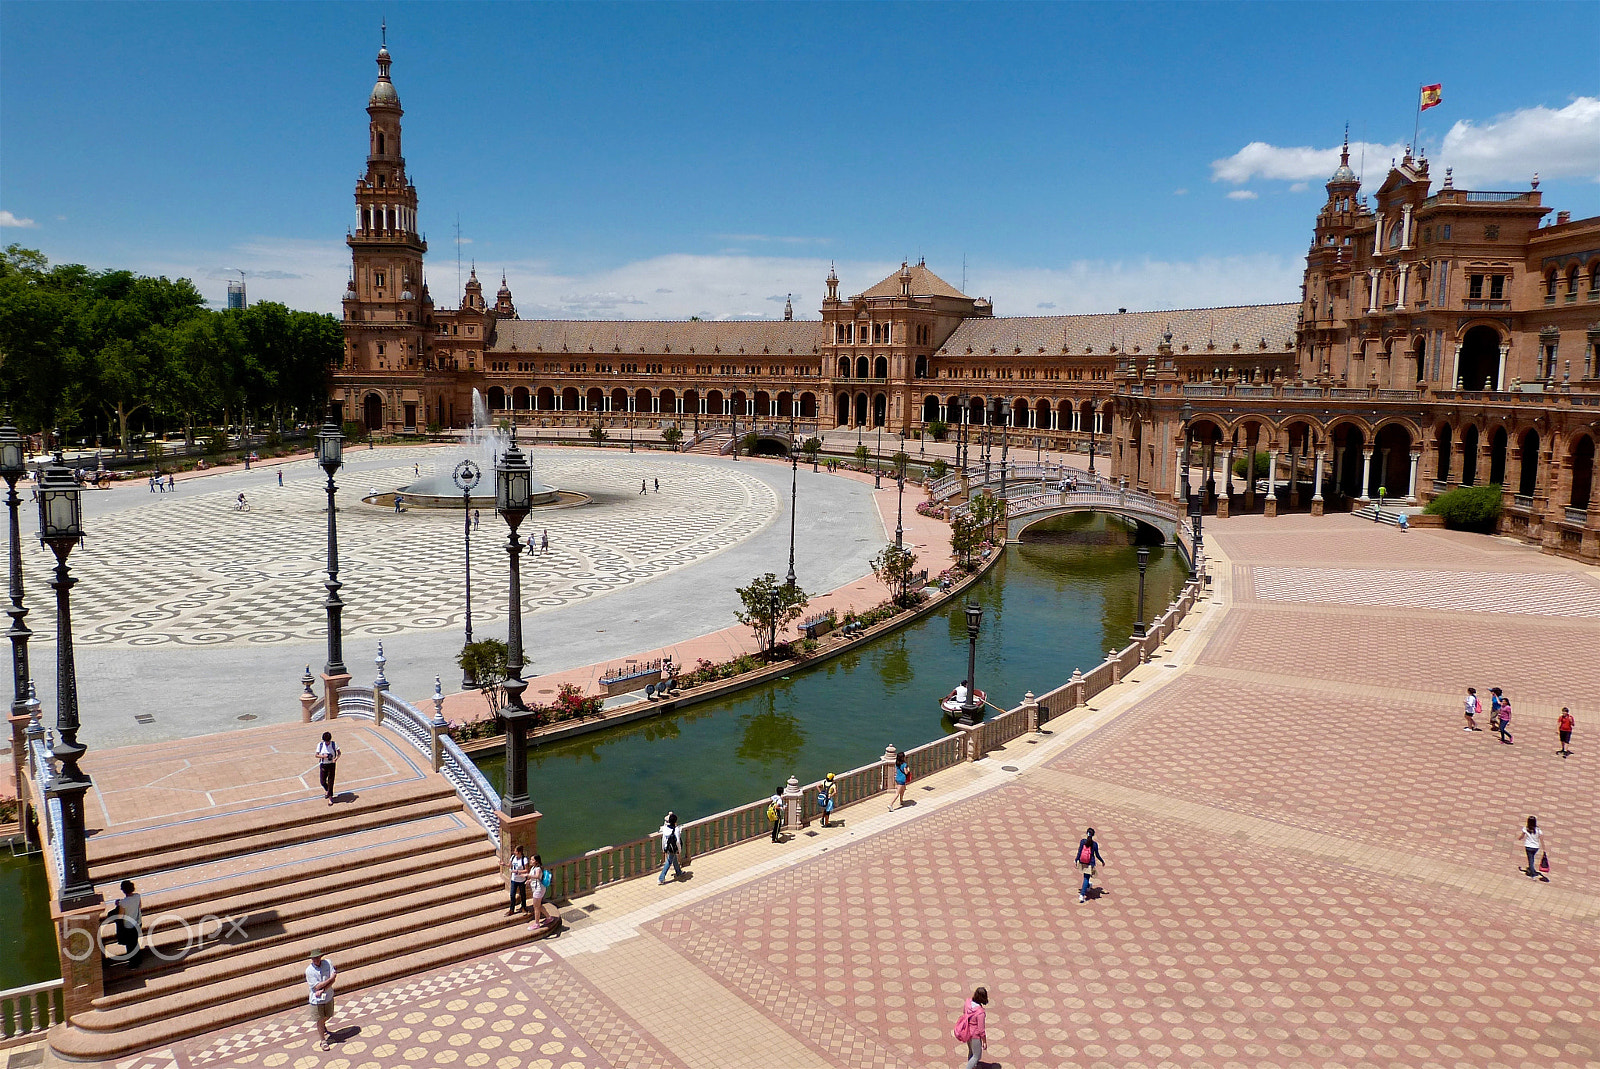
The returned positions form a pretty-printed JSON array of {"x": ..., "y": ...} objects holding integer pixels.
[{"x": 1309, "y": 864}]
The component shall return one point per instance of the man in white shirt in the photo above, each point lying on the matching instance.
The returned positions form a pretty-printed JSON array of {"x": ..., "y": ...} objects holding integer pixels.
[
  {"x": 319, "y": 977},
  {"x": 127, "y": 914},
  {"x": 963, "y": 694},
  {"x": 327, "y": 763}
]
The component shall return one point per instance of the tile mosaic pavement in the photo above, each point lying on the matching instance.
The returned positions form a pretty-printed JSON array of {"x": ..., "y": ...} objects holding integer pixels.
[
  {"x": 1469, "y": 592},
  {"x": 245, "y": 577}
]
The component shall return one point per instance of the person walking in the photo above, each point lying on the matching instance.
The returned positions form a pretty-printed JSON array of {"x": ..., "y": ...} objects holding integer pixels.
[
  {"x": 1088, "y": 858},
  {"x": 1471, "y": 709},
  {"x": 827, "y": 798},
  {"x": 902, "y": 776},
  {"x": 172, "y": 481},
  {"x": 280, "y": 476},
  {"x": 519, "y": 865},
  {"x": 971, "y": 1029},
  {"x": 1532, "y": 843},
  {"x": 658, "y": 486},
  {"x": 1505, "y": 721},
  {"x": 327, "y": 762},
  {"x": 544, "y": 541},
  {"x": 1494, "y": 708},
  {"x": 775, "y": 812},
  {"x": 643, "y": 489},
  {"x": 398, "y": 502},
  {"x": 540, "y": 879},
  {"x": 671, "y": 846},
  {"x": 127, "y": 914},
  {"x": 477, "y": 518},
  {"x": 1564, "y": 729},
  {"x": 320, "y": 975}
]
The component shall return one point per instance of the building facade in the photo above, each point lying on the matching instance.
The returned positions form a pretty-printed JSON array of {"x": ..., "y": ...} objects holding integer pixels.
[{"x": 1443, "y": 338}]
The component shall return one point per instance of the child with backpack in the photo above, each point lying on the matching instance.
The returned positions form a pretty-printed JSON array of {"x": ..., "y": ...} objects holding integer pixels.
[
  {"x": 539, "y": 879},
  {"x": 1088, "y": 857},
  {"x": 670, "y": 846},
  {"x": 970, "y": 1028},
  {"x": 775, "y": 813},
  {"x": 827, "y": 798}
]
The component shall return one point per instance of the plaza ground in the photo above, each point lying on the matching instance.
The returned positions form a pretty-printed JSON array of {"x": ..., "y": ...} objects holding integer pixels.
[{"x": 1309, "y": 864}]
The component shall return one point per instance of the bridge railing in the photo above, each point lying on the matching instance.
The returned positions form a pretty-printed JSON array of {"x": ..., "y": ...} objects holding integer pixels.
[
  {"x": 29, "y": 1012},
  {"x": 1108, "y": 500}
]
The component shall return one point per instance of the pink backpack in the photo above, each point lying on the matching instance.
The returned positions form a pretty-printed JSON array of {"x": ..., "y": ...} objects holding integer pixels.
[{"x": 963, "y": 1030}]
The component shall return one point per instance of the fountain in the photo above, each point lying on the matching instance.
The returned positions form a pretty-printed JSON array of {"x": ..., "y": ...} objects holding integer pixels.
[{"x": 485, "y": 444}]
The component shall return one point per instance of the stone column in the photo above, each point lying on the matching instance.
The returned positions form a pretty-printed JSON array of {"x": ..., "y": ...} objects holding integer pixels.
[
  {"x": 794, "y": 810},
  {"x": 972, "y": 740},
  {"x": 886, "y": 768},
  {"x": 1316, "y": 485},
  {"x": 1225, "y": 485},
  {"x": 1272, "y": 483},
  {"x": 1455, "y": 369},
  {"x": 1294, "y": 477},
  {"x": 1177, "y": 475},
  {"x": 520, "y": 831},
  {"x": 1030, "y": 710},
  {"x": 1366, "y": 476},
  {"x": 1411, "y": 483},
  {"x": 330, "y": 693},
  {"x": 1500, "y": 381},
  {"x": 1400, "y": 295}
]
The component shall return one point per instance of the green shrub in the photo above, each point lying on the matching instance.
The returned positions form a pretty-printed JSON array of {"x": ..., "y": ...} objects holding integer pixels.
[
  {"x": 1262, "y": 461},
  {"x": 938, "y": 468},
  {"x": 938, "y": 429},
  {"x": 355, "y": 432},
  {"x": 216, "y": 442},
  {"x": 1468, "y": 508}
]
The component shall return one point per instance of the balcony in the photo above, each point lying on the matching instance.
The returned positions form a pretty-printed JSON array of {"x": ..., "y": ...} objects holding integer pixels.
[
  {"x": 1494, "y": 304},
  {"x": 1522, "y": 501},
  {"x": 1577, "y": 517}
]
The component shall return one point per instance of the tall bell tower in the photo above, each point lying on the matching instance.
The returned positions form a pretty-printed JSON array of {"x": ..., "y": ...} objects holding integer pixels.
[{"x": 383, "y": 304}]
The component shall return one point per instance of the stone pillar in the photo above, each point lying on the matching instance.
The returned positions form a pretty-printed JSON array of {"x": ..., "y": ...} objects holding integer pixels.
[
  {"x": 330, "y": 693},
  {"x": 1272, "y": 482},
  {"x": 1030, "y": 710},
  {"x": 1316, "y": 485},
  {"x": 1116, "y": 667},
  {"x": 1500, "y": 382},
  {"x": 1400, "y": 297},
  {"x": 520, "y": 831},
  {"x": 19, "y": 750},
  {"x": 972, "y": 740},
  {"x": 1411, "y": 482},
  {"x": 886, "y": 768},
  {"x": 794, "y": 810},
  {"x": 1294, "y": 477},
  {"x": 78, "y": 942},
  {"x": 1366, "y": 476},
  {"x": 1177, "y": 475},
  {"x": 1076, "y": 688}
]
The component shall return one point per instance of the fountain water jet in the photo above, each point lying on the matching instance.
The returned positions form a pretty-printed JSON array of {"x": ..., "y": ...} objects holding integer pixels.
[{"x": 485, "y": 444}]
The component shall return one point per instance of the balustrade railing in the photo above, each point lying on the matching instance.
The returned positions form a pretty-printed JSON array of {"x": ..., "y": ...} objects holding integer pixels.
[{"x": 29, "y": 1012}]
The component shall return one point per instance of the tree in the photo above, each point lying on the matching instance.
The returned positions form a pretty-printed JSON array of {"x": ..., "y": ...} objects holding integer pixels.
[
  {"x": 902, "y": 463},
  {"x": 485, "y": 661},
  {"x": 598, "y": 433},
  {"x": 986, "y": 511},
  {"x": 894, "y": 568},
  {"x": 672, "y": 436},
  {"x": 938, "y": 468},
  {"x": 862, "y": 453},
  {"x": 770, "y": 606},
  {"x": 811, "y": 447},
  {"x": 937, "y": 430},
  {"x": 749, "y": 442},
  {"x": 966, "y": 534}
]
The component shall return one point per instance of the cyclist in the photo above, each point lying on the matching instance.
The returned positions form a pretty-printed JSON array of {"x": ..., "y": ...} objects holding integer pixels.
[{"x": 241, "y": 506}]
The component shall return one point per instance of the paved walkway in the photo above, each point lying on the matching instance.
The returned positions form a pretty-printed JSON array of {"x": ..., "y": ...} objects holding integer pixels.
[{"x": 1309, "y": 864}]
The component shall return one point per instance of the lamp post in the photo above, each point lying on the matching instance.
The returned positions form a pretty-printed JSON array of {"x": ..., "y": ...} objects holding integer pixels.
[
  {"x": 1094, "y": 420},
  {"x": 61, "y": 528},
  {"x": 772, "y": 623},
  {"x": 1144, "y": 562},
  {"x": 466, "y": 477},
  {"x": 1003, "y": 408},
  {"x": 794, "y": 484},
  {"x": 1185, "y": 413},
  {"x": 877, "y": 462},
  {"x": 330, "y": 455},
  {"x": 513, "y": 493},
  {"x": 13, "y": 465},
  {"x": 974, "y": 624}
]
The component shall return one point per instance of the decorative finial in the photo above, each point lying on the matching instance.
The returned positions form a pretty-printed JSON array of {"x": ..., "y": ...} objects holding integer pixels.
[
  {"x": 308, "y": 679},
  {"x": 1536, "y": 180},
  {"x": 383, "y": 29},
  {"x": 381, "y": 683},
  {"x": 438, "y": 703}
]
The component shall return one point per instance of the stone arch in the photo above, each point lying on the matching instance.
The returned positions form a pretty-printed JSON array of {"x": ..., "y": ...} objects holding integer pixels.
[
  {"x": 880, "y": 367},
  {"x": 619, "y": 399},
  {"x": 861, "y": 367},
  {"x": 545, "y": 399},
  {"x": 808, "y": 405},
  {"x": 569, "y": 399},
  {"x": 1417, "y": 357},
  {"x": 691, "y": 402},
  {"x": 1470, "y": 438},
  {"x": 738, "y": 404},
  {"x": 841, "y": 410},
  {"x": 495, "y": 398},
  {"x": 880, "y": 409},
  {"x": 844, "y": 367},
  {"x": 1443, "y": 449},
  {"x": 519, "y": 398},
  {"x": 921, "y": 370},
  {"x": 714, "y": 405},
  {"x": 669, "y": 402},
  {"x": 930, "y": 409},
  {"x": 1041, "y": 414},
  {"x": 1497, "y": 456},
  {"x": 976, "y": 407},
  {"x": 1349, "y": 439},
  {"x": 861, "y": 408},
  {"x": 1392, "y": 442},
  {"x": 641, "y": 400},
  {"x": 1580, "y": 461},
  {"x": 1528, "y": 469},
  {"x": 1479, "y": 365},
  {"x": 372, "y": 411},
  {"x": 595, "y": 400}
]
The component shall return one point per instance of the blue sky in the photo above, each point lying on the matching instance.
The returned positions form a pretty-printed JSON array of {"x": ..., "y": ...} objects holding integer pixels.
[{"x": 658, "y": 160}]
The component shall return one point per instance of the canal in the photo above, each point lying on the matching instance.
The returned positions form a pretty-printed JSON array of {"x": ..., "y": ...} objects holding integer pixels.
[{"x": 1049, "y": 606}]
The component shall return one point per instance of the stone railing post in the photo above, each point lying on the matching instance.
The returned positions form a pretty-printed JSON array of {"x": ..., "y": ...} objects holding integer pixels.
[
  {"x": 1116, "y": 666},
  {"x": 307, "y": 698},
  {"x": 19, "y": 750},
  {"x": 886, "y": 768},
  {"x": 1075, "y": 688},
  {"x": 380, "y": 686},
  {"x": 972, "y": 742},
  {"x": 793, "y": 809},
  {"x": 1030, "y": 711},
  {"x": 78, "y": 942},
  {"x": 437, "y": 727},
  {"x": 330, "y": 692}
]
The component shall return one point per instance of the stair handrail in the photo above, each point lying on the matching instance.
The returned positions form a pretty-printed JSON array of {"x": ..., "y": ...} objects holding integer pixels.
[
  {"x": 417, "y": 728},
  {"x": 43, "y": 775}
]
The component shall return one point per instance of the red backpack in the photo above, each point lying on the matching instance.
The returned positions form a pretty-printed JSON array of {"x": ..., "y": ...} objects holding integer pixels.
[
  {"x": 964, "y": 1027},
  {"x": 1086, "y": 854}
]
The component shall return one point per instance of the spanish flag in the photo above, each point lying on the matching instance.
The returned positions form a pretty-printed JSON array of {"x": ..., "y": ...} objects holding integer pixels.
[{"x": 1432, "y": 96}]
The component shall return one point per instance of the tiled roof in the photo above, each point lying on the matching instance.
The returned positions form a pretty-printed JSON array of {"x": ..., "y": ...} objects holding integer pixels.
[
  {"x": 924, "y": 283},
  {"x": 628, "y": 336},
  {"x": 1195, "y": 327}
]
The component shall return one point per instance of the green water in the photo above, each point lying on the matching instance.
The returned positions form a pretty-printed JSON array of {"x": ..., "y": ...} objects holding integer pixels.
[
  {"x": 1048, "y": 607},
  {"x": 27, "y": 940}
]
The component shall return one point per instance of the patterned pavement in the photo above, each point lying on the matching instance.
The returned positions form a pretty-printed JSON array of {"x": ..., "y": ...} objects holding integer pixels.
[
  {"x": 188, "y": 569},
  {"x": 1309, "y": 864}
]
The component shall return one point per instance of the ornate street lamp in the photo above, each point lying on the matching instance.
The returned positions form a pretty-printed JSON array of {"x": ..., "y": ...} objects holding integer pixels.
[
  {"x": 513, "y": 499},
  {"x": 330, "y": 455},
  {"x": 13, "y": 465},
  {"x": 877, "y": 462},
  {"x": 1144, "y": 562},
  {"x": 974, "y": 624},
  {"x": 794, "y": 482},
  {"x": 1003, "y": 409},
  {"x": 900, "y": 503},
  {"x": 466, "y": 477},
  {"x": 1186, "y": 413},
  {"x": 61, "y": 528},
  {"x": 1094, "y": 420}
]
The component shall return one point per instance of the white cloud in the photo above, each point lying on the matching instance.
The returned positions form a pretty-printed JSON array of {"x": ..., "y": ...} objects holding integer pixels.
[
  {"x": 7, "y": 219},
  {"x": 1558, "y": 143},
  {"x": 300, "y": 274},
  {"x": 1299, "y": 187},
  {"x": 1242, "y": 194},
  {"x": 1261, "y": 160},
  {"x": 1180, "y": 192}
]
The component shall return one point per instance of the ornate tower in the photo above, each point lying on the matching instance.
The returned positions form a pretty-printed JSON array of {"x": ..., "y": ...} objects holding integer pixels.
[{"x": 383, "y": 305}]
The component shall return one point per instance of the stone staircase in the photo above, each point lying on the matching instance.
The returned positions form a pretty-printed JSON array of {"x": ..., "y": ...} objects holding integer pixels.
[
  {"x": 713, "y": 445},
  {"x": 1374, "y": 513},
  {"x": 396, "y": 881}
]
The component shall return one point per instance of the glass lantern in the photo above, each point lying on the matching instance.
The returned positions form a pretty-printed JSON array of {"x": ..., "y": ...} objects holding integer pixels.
[
  {"x": 60, "y": 507},
  {"x": 13, "y": 456},
  {"x": 330, "y": 447},
  {"x": 513, "y": 482},
  {"x": 974, "y": 619}
]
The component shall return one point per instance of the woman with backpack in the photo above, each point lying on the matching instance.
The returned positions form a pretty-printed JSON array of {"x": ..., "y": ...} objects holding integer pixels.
[
  {"x": 670, "y": 846},
  {"x": 970, "y": 1028},
  {"x": 539, "y": 880},
  {"x": 902, "y": 776},
  {"x": 827, "y": 798},
  {"x": 1088, "y": 857}
]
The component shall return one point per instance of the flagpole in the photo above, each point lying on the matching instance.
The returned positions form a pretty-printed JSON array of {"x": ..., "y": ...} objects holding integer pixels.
[{"x": 1416, "y": 127}]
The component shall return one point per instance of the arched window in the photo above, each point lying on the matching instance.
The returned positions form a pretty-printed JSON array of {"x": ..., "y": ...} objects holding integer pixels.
[
  {"x": 1572, "y": 283},
  {"x": 380, "y": 142}
]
